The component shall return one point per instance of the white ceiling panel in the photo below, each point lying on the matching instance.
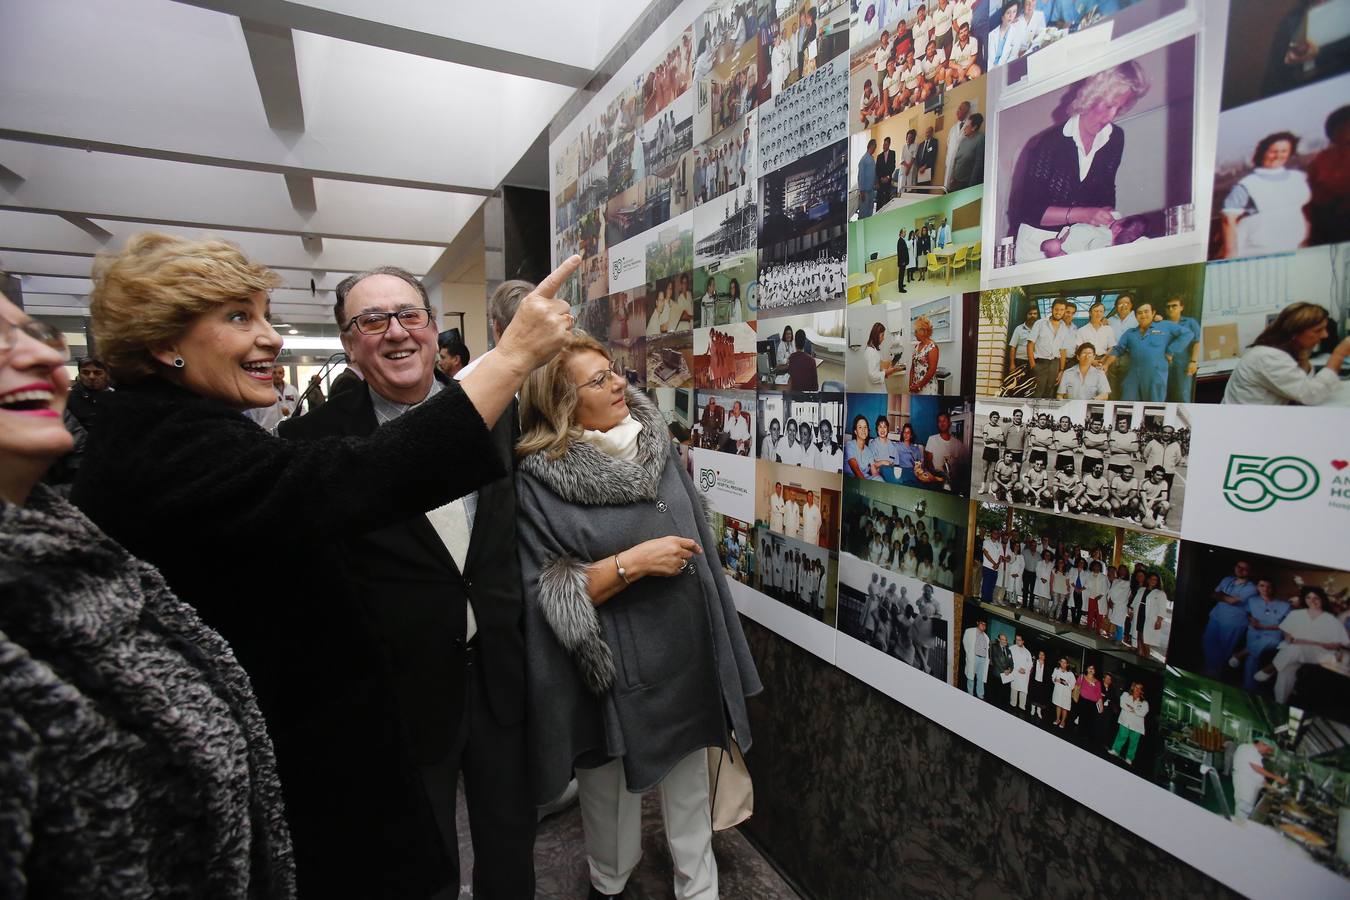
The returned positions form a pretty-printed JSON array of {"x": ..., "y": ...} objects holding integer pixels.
[{"x": 20, "y": 263}]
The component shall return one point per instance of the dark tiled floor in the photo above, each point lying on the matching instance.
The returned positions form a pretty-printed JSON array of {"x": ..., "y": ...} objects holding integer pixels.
[{"x": 560, "y": 861}]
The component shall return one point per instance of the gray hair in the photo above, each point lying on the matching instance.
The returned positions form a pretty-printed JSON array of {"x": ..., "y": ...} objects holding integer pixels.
[
  {"x": 505, "y": 300},
  {"x": 351, "y": 281}
]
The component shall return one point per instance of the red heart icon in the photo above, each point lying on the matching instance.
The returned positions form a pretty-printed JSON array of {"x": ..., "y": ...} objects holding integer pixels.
[{"x": 1339, "y": 464}]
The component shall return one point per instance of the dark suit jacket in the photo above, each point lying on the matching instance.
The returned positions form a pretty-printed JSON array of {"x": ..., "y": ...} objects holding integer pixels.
[
  {"x": 886, "y": 165},
  {"x": 414, "y": 596},
  {"x": 926, "y": 157}
]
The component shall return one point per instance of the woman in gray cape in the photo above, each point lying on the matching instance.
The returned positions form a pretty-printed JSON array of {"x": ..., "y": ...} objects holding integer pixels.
[{"x": 636, "y": 659}]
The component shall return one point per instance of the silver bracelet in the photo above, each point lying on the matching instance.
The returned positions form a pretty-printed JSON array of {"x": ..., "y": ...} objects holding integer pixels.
[{"x": 623, "y": 573}]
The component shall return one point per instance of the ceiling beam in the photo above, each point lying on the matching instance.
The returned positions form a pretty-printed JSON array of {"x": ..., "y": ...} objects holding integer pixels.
[
  {"x": 466, "y": 244},
  {"x": 57, "y": 140},
  {"x": 98, "y": 233},
  {"x": 301, "y": 190},
  {"x": 271, "y": 50},
  {"x": 9, "y": 179},
  {"x": 300, "y": 17}
]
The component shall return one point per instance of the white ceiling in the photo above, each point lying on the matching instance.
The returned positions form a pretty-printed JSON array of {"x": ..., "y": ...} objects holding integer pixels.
[{"x": 323, "y": 137}]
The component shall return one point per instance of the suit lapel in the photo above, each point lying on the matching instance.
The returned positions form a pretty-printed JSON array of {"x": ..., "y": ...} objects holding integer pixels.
[{"x": 497, "y": 497}]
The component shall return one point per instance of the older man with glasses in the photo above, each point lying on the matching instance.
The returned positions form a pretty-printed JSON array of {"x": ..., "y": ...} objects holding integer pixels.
[{"x": 435, "y": 584}]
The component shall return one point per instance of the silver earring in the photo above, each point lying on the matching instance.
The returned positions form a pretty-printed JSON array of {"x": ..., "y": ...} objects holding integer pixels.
[{"x": 178, "y": 362}]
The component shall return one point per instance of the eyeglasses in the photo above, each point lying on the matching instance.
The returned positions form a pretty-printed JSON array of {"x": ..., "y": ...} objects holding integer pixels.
[
  {"x": 414, "y": 318},
  {"x": 599, "y": 381},
  {"x": 38, "y": 331}
]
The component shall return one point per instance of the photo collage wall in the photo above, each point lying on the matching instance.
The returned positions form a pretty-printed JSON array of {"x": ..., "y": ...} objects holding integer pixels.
[{"x": 1006, "y": 342}]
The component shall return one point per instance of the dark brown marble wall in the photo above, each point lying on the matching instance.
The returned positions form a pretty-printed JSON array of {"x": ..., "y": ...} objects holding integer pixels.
[{"x": 858, "y": 797}]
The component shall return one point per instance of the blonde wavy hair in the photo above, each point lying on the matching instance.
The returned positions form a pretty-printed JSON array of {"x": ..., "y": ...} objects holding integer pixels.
[
  {"x": 1124, "y": 84},
  {"x": 921, "y": 323},
  {"x": 548, "y": 401},
  {"x": 148, "y": 295}
]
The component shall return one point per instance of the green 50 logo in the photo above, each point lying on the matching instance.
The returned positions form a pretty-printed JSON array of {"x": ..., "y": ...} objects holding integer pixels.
[
  {"x": 707, "y": 478},
  {"x": 1254, "y": 483}
]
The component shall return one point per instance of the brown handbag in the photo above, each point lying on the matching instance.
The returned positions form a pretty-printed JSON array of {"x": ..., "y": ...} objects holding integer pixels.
[{"x": 730, "y": 790}]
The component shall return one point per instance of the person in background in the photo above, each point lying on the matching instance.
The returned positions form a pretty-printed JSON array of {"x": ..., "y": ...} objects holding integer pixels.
[
  {"x": 128, "y": 725},
  {"x": 967, "y": 163},
  {"x": 1150, "y": 347},
  {"x": 1276, "y": 368},
  {"x": 955, "y": 135},
  {"x": 89, "y": 392},
  {"x": 1030, "y": 559},
  {"x": 867, "y": 180},
  {"x": 1084, "y": 381},
  {"x": 1063, "y": 681},
  {"x": 451, "y": 354},
  {"x": 1021, "y": 335},
  {"x": 857, "y": 452},
  {"x": 1089, "y": 695},
  {"x": 885, "y": 172},
  {"x": 908, "y": 158},
  {"x": 1311, "y": 634},
  {"x": 770, "y": 447},
  {"x": 903, "y": 260},
  {"x": 1133, "y": 711},
  {"x": 878, "y": 369},
  {"x": 1265, "y": 612},
  {"x": 992, "y": 552},
  {"x": 801, "y": 367},
  {"x": 883, "y": 452},
  {"x": 432, "y": 583},
  {"x": 1329, "y": 180},
  {"x": 1250, "y": 774},
  {"x": 1010, "y": 577},
  {"x": 1021, "y": 674},
  {"x": 923, "y": 360},
  {"x": 993, "y": 435},
  {"x": 1008, "y": 39},
  {"x": 1049, "y": 345},
  {"x": 1185, "y": 353},
  {"x": 1108, "y": 713},
  {"x": 944, "y": 455},
  {"x": 1263, "y": 212},
  {"x": 1118, "y": 603},
  {"x": 1038, "y": 694},
  {"x": 1033, "y": 24},
  {"x": 286, "y": 400},
  {"x": 926, "y": 158},
  {"x": 182, "y": 480},
  {"x": 975, "y": 649},
  {"x": 1000, "y": 666},
  {"x": 594, "y": 459}
]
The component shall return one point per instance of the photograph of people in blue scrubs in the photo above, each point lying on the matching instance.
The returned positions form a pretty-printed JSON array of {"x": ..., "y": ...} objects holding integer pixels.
[
  {"x": 1273, "y": 627},
  {"x": 918, "y": 441}
]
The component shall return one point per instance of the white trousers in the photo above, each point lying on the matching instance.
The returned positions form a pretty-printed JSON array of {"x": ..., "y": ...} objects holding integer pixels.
[
  {"x": 612, "y": 820},
  {"x": 1287, "y": 661}
]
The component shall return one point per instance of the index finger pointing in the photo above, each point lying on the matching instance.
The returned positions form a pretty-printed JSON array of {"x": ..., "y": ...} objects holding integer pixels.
[{"x": 549, "y": 286}]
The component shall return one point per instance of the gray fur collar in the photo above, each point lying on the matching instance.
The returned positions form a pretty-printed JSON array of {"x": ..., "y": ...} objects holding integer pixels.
[{"x": 591, "y": 477}]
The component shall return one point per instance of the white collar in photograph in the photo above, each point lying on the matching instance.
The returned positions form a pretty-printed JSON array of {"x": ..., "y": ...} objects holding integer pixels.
[{"x": 1086, "y": 155}]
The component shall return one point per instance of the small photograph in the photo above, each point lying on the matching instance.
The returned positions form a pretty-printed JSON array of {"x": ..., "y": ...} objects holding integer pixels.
[
  {"x": 1108, "y": 588},
  {"x": 1131, "y": 203},
  {"x": 627, "y": 315},
  {"x": 778, "y": 36},
  {"x": 726, "y": 226},
  {"x": 906, "y": 531},
  {"x": 1114, "y": 463},
  {"x": 905, "y": 69},
  {"x": 912, "y": 348},
  {"x": 799, "y": 36},
  {"x": 623, "y": 117},
  {"x": 593, "y": 186},
  {"x": 594, "y": 259},
  {"x": 802, "y": 430},
  {"x": 670, "y": 305},
  {"x": 667, "y": 138},
  {"x": 1282, "y": 179},
  {"x": 803, "y": 354},
  {"x": 725, "y": 422},
  {"x": 726, "y": 290},
  {"x": 670, "y": 252},
  {"x": 1273, "y": 628},
  {"x": 919, "y": 252},
  {"x": 677, "y": 408},
  {"x": 802, "y": 234},
  {"x": 1258, "y": 764},
  {"x": 630, "y": 359},
  {"x": 565, "y": 244},
  {"x": 567, "y": 164},
  {"x": 593, "y": 148},
  {"x": 910, "y": 439},
  {"x": 1285, "y": 45},
  {"x": 626, "y": 210},
  {"x": 670, "y": 360},
  {"x": 922, "y": 152},
  {"x": 593, "y": 316},
  {"x": 727, "y": 162},
  {"x": 802, "y": 576},
  {"x": 1018, "y": 28},
  {"x": 670, "y": 78},
  {"x": 798, "y": 503},
  {"x": 726, "y": 79},
  {"x": 806, "y": 117},
  {"x": 735, "y": 547},
  {"x": 1105, "y": 703},
  {"x": 899, "y": 615},
  {"x": 565, "y": 208},
  {"x": 1276, "y": 330},
  {"x": 1132, "y": 336},
  {"x": 724, "y": 357}
]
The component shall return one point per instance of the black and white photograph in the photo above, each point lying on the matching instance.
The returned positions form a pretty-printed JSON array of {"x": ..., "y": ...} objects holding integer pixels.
[
  {"x": 727, "y": 225},
  {"x": 803, "y": 354},
  {"x": 725, "y": 421},
  {"x": 1101, "y": 461},
  {"x": 725, "y": 290},
  {"x": 1275, "y": 330},
  {"x": 906, "y": 531},
  {"x": 1105, "y": 703},
  {"x": 802, "y": 234},
  {"x": 912, "y": 347},
  {"x": 798, "y": 502},
  {"x": 897, "y": 614},
  {"x": 919, "y": 441},
  {"x": 1110, "y": 588},
  {"x": 801, "y": 430},
  {"x": 1131, "y": 336},
  {"x": 806, "y": 117},
  {"x": 801, "y": 576},
  {"x": 1271, "y": 627}
]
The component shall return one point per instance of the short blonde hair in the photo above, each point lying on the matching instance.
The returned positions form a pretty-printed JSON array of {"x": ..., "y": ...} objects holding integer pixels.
[
  {"x": 923, "y": 322},
  {"x": 146, "y": 296},
  {"x": 548, "y": 401},
  {"x": 1124, "y": 84}
]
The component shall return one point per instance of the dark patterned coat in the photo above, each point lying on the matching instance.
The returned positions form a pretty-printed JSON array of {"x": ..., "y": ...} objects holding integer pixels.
[
  {"x": 133, "y": 759},
  {"x": 1047, "y": 175}
]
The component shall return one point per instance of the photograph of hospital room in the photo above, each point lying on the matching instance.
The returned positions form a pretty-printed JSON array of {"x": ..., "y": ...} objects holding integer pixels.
[
  {"x": 941, "y": 240},
  {"x": 1273, "y": 627},
  {"x": 912, "y": 347},
  {"x": 803, "y": 353},
  {"x": 1274, "y": 294},
  {"x": 1104, "y": 703},
  {"x": 1157, "y": 362},
  {"x": 1111, "y": 589},
  {"x": 1258, "y": 763}
]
